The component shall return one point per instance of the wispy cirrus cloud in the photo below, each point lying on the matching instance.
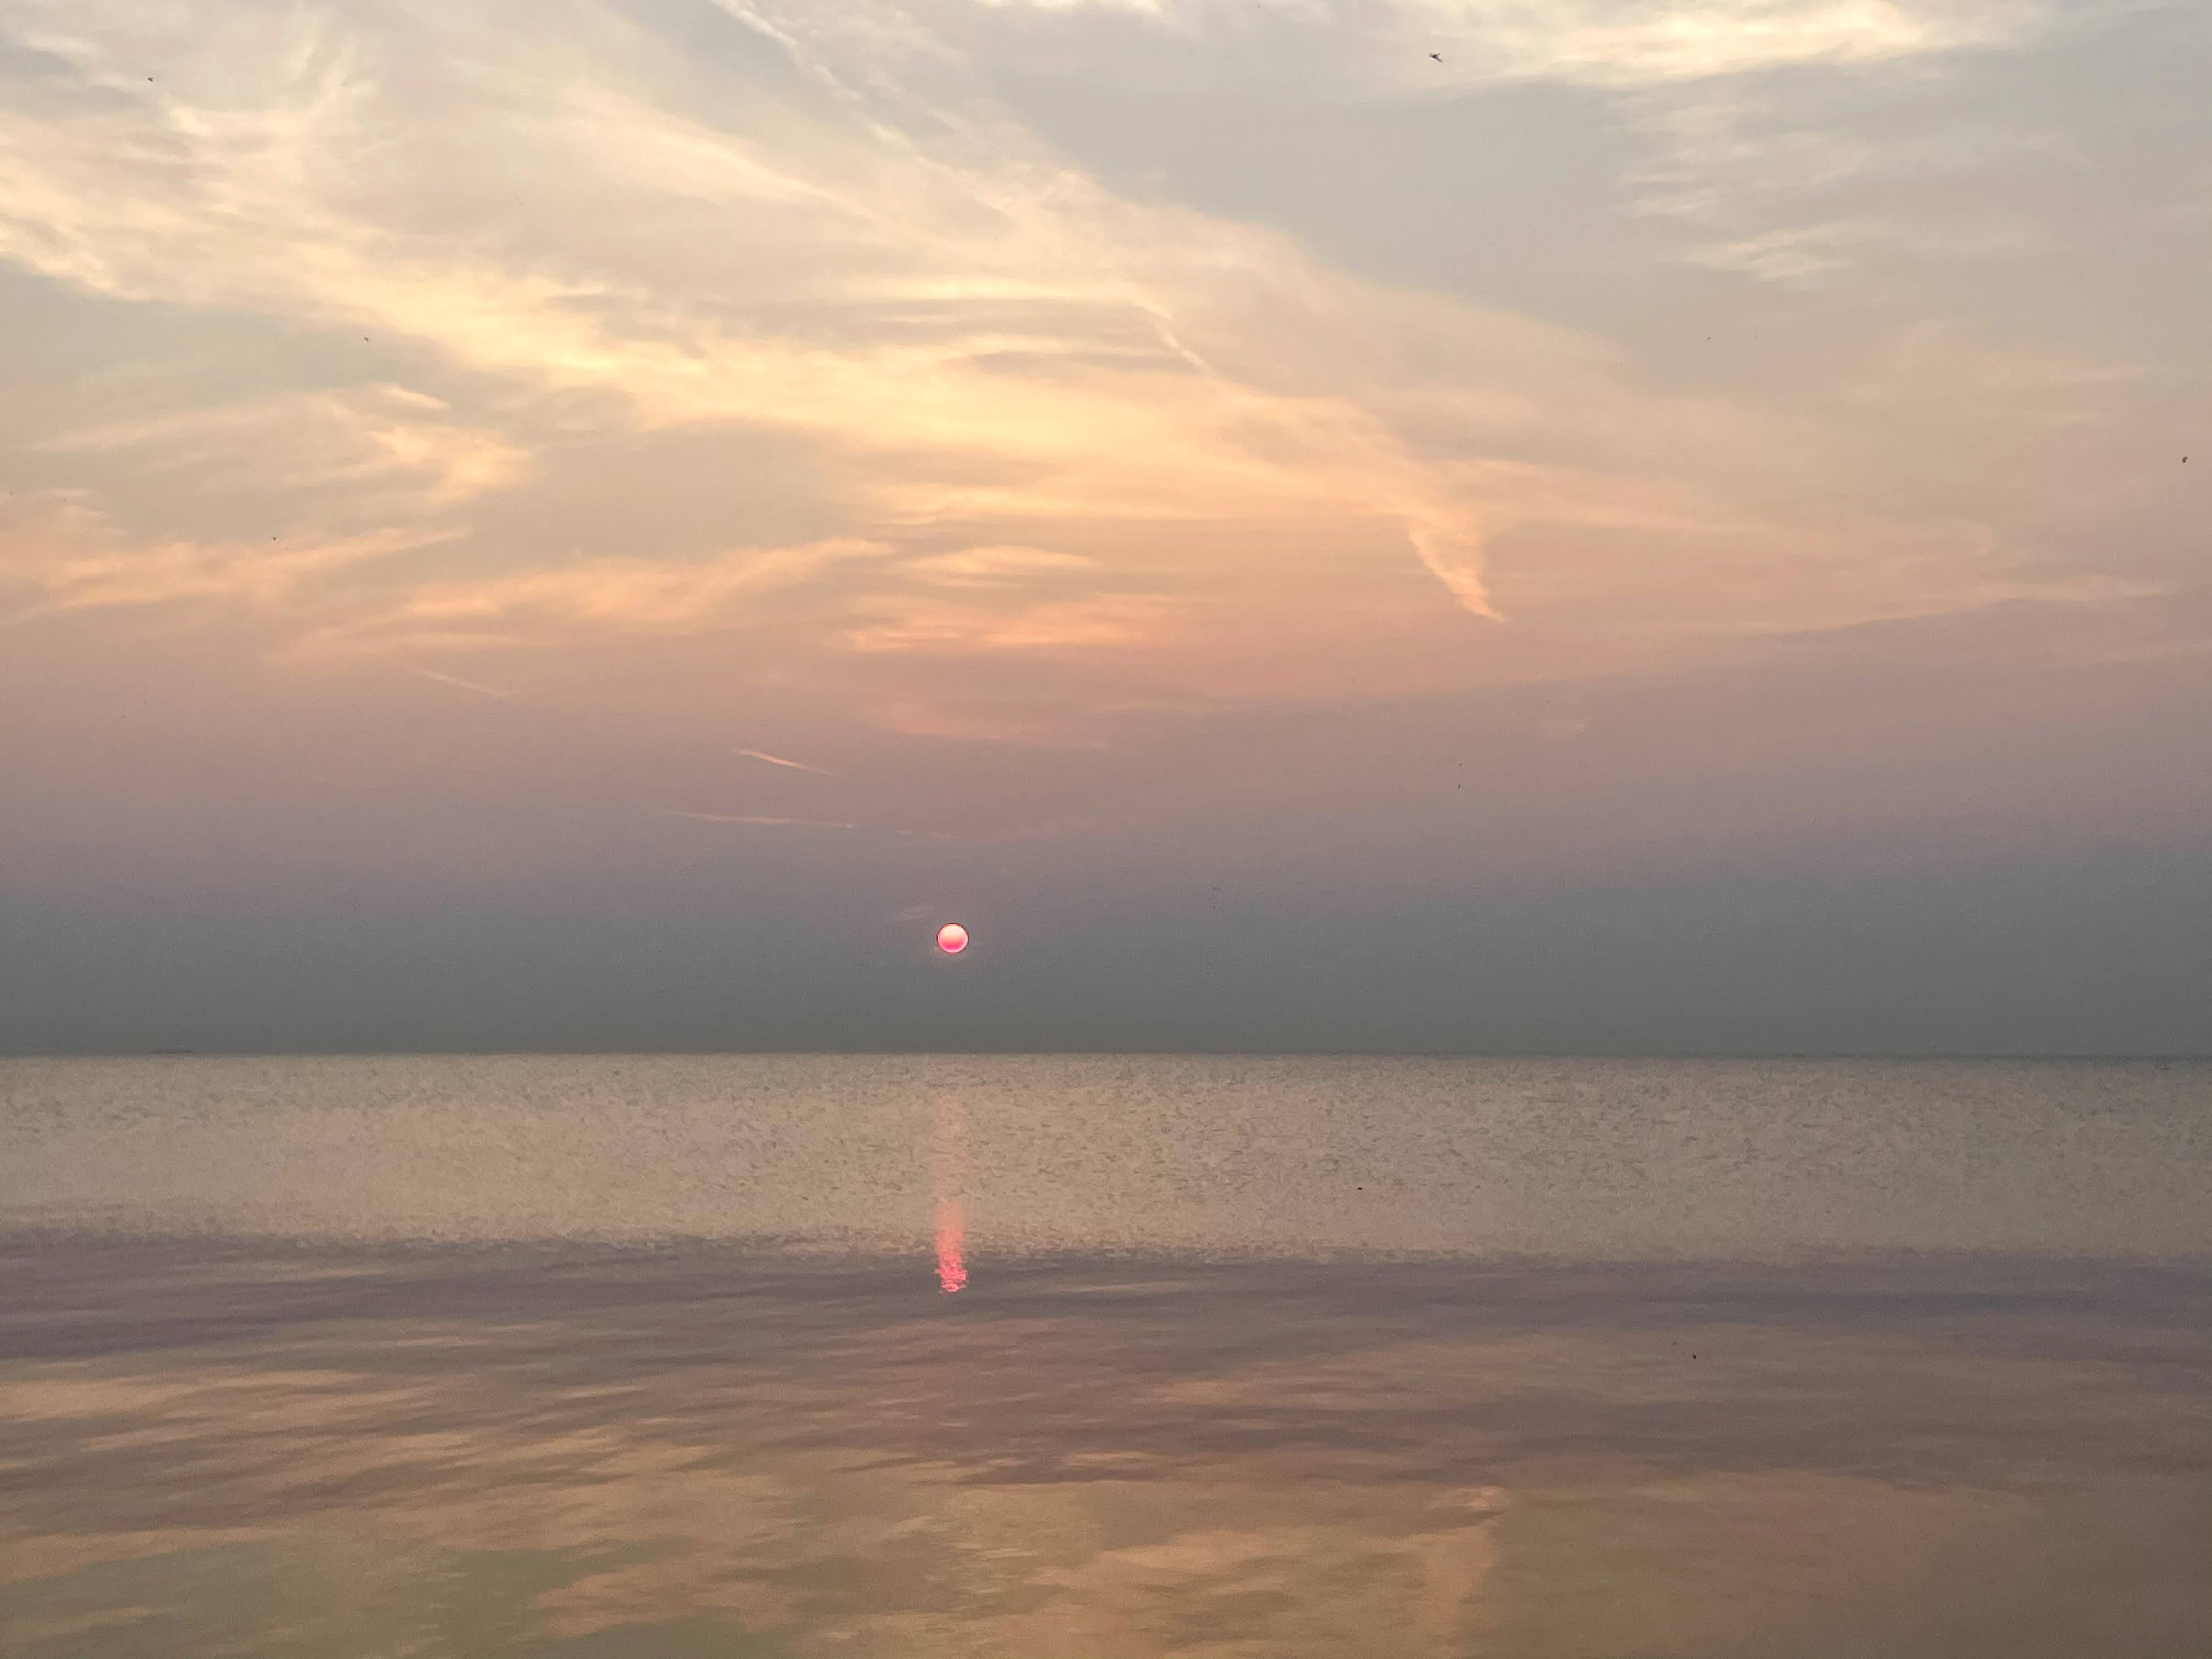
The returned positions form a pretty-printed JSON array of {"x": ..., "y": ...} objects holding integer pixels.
[
  {"x": 439, "y": 677},
  {"x": 779, "y": 760},
  {"x": 755, "y": 820},
  {"x": 59, "y": 554},
  {"x": 373, "y": 443},
  {"x": 990, "y": 337},
  {"x": 1030, "y": 432},
  {"x": 586, "y": 600},
  {"x": 1079, "y": 625},
  {"x": 1610, "y": 44}
]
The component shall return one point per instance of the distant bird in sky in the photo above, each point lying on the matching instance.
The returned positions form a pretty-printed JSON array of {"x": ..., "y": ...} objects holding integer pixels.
[{"x": 1439, "y": 56}]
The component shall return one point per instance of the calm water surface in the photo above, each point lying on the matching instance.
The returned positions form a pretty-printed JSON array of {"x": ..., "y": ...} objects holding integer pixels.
[{"x": 1104, "y": 1357}]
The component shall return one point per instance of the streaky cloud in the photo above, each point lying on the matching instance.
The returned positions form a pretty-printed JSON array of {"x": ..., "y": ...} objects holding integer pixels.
[
  {"x": 493, "y": 692},
  {"x": 779, "y": 760},
  {"x": 751, "y": 818}
]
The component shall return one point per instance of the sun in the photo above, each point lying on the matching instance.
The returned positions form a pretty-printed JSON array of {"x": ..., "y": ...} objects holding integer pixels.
[{"x": 952, "y": 938}]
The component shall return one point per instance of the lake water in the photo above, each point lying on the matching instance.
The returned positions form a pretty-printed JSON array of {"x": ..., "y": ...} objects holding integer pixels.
[{"x": 1104, "y": 1356}]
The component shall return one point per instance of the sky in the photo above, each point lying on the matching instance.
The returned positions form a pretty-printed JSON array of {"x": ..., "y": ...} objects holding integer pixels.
[{"x": 1375, "y": 525}]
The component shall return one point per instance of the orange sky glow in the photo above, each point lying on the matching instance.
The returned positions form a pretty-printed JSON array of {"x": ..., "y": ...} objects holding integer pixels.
[{"x": 965, "y": 450}]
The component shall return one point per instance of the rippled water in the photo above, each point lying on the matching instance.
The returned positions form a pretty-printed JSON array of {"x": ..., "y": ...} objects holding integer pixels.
[{"x": 1104, "y": 1357}]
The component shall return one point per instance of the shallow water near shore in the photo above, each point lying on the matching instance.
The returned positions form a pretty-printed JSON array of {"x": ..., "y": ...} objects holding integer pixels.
[{"x": 928, "y": 1355}]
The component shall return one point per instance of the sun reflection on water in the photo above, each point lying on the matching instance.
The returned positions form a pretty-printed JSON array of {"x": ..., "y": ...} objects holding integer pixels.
[{"x": 948, "y": 1185}]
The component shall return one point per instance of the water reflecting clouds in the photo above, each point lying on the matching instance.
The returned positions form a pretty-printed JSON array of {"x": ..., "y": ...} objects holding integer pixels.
[{"x": 364, "y": 1442}]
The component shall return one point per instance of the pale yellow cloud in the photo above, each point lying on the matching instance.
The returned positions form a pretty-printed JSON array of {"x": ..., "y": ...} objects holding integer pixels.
[
  {"x": 1027, "y": 422},
  {"x": 59, "y": 554},
  {"x": 588, "y": 598},
  {"x": 994, "y": 566},
  {"x": 1634, "y": 42},
  {"x": 923, "y": 258},
  {"x": 1082, "y": 625},
  {"x": 1606, "y": 43},
  {"x": 378, "y": 440}
]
